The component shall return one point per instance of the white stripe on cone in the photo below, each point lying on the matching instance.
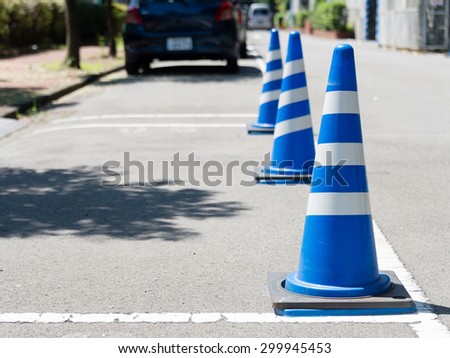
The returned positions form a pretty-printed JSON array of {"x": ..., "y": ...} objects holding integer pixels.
[
  {"x": 340, "y": 153},
  {"x": 338, "y": 204},
  {"x": 292, "y": 125},
  {"x": 340, "y": 102},
  {"x": 269, "y": 96},
  {"x": 273, "y": 56},
  {"x": 293, "y": 67},
  {"x": 272, "y": 76},
  {"x": 293, "y": 96}
]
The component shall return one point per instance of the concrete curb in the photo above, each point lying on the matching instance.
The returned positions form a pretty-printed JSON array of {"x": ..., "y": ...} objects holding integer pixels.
[
  {"x": 41, "y": 101},
  {"x": 9, "y": 126}
]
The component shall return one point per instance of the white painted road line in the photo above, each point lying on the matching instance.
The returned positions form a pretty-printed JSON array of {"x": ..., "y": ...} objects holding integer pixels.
[
  {"x": 424, "y": 323},
  {"x": 428, "y": 325},
  {"x": 198, "y": 318},
  {"x": 418, "y": 319},
  {"x": 139, "y": 125},
  {"x": 153, "y": 116}
]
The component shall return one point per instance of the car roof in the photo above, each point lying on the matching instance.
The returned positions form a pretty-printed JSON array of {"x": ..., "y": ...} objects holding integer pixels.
[{"x": 259, "y": 5}]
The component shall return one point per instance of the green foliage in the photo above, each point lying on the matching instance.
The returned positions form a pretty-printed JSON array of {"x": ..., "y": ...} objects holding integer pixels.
[
  {"x": 318, "y": 2},
  {"x": 41, "y": 23},
  {"x": 301, "y": 17},
  {"x": 20, "y": 23},
  {"x": 119, "y": 13},
  {"x": 57, "y": 31},
  {"x": 93, "y": 21},
  {"x": 281, "y": 5},
  {"x": 4, "y": 16},
  {"x": 93, "y": 18},
  {"x": 281, "y": 19},
  {"x": 330, "y": 16},
  {"x": 42, "y": 18}
]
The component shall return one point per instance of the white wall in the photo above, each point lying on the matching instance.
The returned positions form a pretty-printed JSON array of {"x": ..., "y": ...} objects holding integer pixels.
[
  {"x": 357, "y": 17},
  {"x": 399, "y": 24}
]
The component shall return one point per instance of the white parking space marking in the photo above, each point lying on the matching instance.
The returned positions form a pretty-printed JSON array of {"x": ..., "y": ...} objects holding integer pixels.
[
  {"x": 428, "y": 325},
  {"x": 139, "y": 125},
  {"x": 207, "y": 317},
  {"x": 153, "y": 116},
  {"x": 425, "y": 323}
]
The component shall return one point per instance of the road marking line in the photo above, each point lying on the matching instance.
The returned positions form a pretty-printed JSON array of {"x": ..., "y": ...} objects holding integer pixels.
[
  {"x": 154, "y": 115},
  {"x": 428, "y": 325},
  {"x": 198, "y": 318},
  {"x": 139, "y": 125},
  {"x": 424, "y": 323}
]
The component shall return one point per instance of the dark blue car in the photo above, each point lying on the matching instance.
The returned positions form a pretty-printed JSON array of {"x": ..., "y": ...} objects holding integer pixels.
[{"x": 183, "y": 30}]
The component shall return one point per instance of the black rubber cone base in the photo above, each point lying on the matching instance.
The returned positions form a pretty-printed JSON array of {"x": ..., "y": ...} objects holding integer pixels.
[
  {"x": 395, "y": 301},
  {"x": 259, "y": 130},
  {"x": 262, "y": 177}
]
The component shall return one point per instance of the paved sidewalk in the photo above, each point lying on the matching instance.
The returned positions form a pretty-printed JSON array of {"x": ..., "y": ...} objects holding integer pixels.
[{"x": 25, "y": 79}]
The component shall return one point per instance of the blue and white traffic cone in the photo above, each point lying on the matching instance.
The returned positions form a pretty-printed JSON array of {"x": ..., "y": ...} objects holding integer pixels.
[
  {"x": 268, "y": 103},
  {"x": 338, "y": 270},
  {"x": 293, "y": 143}
]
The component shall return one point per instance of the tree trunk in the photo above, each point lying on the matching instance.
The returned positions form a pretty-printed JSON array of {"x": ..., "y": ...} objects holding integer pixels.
[
  {"x": 72, "y": 35},
  {"x": 110, "y": 25}
]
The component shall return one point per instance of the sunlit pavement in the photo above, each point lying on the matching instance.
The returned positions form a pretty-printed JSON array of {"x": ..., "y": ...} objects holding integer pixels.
[{"x": 71, "y": 246}]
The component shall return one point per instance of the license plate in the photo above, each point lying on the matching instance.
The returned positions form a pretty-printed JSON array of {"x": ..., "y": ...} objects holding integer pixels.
[{"x": 179, "y": 44}]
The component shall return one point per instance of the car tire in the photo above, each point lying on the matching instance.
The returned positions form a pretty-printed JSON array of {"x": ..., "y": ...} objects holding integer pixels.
[
  {"x": 243, "y": 50},
  {"x": 132, "y": 68},
  {"x": 232, "y": 65}
]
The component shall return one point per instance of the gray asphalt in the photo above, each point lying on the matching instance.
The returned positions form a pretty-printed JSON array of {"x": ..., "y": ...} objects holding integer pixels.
[{"x": 70, "y": 245}]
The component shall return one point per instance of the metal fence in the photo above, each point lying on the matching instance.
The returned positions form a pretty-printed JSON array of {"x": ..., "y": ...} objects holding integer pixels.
[{"x": 435, "y": 16}]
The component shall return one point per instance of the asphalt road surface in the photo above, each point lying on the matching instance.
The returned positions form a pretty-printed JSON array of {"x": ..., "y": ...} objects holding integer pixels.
[{"x": 175, "y": 259}]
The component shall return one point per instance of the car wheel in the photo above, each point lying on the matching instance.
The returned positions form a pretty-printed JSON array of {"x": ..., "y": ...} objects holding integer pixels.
[
  {"x": 243, "y": 50},
  {"x": 132, "y": 68},
  {"x": 146, "y": 69},
  {"x": 232, "y": 65}
]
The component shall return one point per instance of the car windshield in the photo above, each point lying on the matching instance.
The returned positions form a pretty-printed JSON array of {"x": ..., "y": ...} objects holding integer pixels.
[{"x": 260, "y": 12}]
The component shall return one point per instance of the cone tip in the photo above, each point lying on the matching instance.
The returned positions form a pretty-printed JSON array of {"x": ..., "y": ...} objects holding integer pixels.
[
  {"x": 274, "y": 40},
  {"x": 342, "y": 73},
  {"x": 295, "y": 51},
  {"x": 343, "y": 48}
]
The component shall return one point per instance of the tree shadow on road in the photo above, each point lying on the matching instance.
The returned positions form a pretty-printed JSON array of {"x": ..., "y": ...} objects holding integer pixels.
[{"x": 72, "y": 202}]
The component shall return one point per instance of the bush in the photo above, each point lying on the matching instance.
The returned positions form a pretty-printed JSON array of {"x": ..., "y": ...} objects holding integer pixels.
[
  {"x": 20, "y": 24},
  {"x": 42, "y": 17},
  {"x": 330, "y": 16},
  {"x": 119, "y": 13},
  {"x": 281, "y": 19},
  {"x": 301, "y": 17},
  {"x": 92, "y": 19},
  {"x": 57, "y": 31},
  {"x": 4, "y": 28},
  {"x": 24, "y": 23}
]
